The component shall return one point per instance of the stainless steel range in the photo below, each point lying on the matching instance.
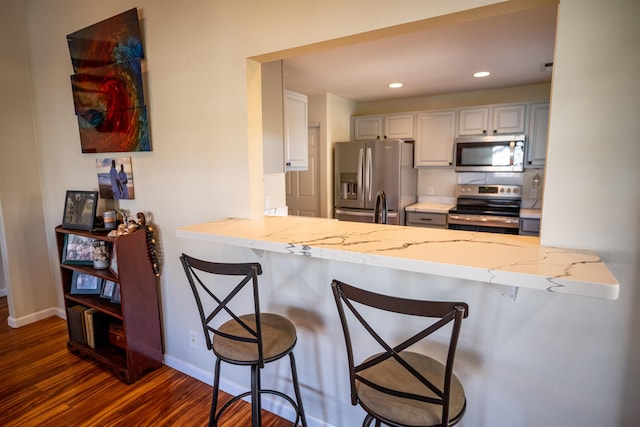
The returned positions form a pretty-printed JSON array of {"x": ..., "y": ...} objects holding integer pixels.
[{"x": 489, "y": 208}]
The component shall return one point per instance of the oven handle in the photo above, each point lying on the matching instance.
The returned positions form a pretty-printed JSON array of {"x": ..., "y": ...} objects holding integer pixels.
[{"x": 496, "y": 221}]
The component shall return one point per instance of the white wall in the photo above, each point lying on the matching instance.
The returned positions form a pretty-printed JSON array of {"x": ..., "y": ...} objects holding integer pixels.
[
  {"x": 545, "y": 360},
  {"x": 32, "y": 292}
]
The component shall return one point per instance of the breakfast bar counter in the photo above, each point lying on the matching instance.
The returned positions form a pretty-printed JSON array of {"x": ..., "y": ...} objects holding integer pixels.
[{"x": 503, "y": 259}]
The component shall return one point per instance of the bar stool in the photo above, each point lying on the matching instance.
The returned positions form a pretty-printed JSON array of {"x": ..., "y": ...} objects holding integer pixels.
[
  {"x": 252, "y": 339},
  {"x": 397, "y": 387}
]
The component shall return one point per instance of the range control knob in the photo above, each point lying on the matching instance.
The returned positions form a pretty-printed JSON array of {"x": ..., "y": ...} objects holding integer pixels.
[
  {"x": 515, "y": 190},
  {"x": 501, "y": 190}
]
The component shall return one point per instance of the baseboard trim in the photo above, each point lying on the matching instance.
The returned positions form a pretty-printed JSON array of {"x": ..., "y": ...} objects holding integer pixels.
[
  {"x": 283, "y": 410},
  {"x": 3, "y": 292},
  {"x": 17, "y": 322}
]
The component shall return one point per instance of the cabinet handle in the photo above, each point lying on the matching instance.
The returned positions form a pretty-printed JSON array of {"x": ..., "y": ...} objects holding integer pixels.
[
  {"x": 484, "y": 131},
  {"x": 495, "y": 131},
  {"x": 426, "y": 219},
  {"x": 288, "y": 163}
]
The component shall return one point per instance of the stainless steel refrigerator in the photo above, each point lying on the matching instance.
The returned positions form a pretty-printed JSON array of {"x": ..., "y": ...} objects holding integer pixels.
[{"x": 366, "y": 172}]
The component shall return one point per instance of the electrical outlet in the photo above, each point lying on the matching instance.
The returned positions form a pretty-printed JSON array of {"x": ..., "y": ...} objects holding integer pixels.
[
  {"x": 430, "y": 191},
  {"x": 193, "y": 341},
  {"x": 534, "y": 193},
  {"x": 267, "y": 202}
]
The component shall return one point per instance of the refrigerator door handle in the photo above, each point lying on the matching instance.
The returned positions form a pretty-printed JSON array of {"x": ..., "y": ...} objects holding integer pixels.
[
  {"x": 360, "y": 189},
  {"x": 369, "y": 173}
]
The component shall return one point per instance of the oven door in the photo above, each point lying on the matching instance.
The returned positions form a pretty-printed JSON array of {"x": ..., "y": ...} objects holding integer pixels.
[{"x": 484, "y": 223}]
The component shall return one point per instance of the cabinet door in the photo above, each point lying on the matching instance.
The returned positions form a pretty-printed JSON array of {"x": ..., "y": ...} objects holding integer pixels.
[
  {"x": 473, "y": 121},
  {"x": 538, "y": 124},
  {"x": 509, "y": 119},
  {"x": 434, "y": 138},
  {"x": 367, "y": 128},
  {"x": 295, "y": 131},
  {"x": 398, "y": 126},
  {"x": 427, "y": 219}
]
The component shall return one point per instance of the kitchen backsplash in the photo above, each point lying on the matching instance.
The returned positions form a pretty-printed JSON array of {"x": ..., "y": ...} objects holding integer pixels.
[{"x": 440, "y": 183}]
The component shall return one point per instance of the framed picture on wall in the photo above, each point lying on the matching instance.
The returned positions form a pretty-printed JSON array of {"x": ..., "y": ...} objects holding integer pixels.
[{"x": 80, "y": 209}]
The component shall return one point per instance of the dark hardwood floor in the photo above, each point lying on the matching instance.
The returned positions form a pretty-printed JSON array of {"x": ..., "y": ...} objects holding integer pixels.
[{"x": 42, "y": 384}]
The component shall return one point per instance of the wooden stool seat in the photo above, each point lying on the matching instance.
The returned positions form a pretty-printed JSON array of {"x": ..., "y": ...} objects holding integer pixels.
[{"x": 278, "y": 338}]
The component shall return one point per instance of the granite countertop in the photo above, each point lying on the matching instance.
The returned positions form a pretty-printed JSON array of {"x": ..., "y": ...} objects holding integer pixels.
[
  {"x": 531, "y": 213},
  {"x": 430, "y": 207},
  {"x": 486, "y": 257}
]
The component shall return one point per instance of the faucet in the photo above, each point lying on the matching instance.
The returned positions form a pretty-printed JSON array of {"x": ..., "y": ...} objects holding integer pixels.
[{"x": 381, "y": 208}]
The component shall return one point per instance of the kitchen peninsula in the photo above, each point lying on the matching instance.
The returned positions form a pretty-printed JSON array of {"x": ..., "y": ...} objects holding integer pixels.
[{"x": 501, "y": 259}]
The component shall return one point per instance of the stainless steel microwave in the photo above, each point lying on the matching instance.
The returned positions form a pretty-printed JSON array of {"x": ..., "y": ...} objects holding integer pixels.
[{"x": 496, "y": 153}]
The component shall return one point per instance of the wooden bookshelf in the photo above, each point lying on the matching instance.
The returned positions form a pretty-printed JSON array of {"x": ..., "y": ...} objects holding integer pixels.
[{"x": 138, "y": 312}]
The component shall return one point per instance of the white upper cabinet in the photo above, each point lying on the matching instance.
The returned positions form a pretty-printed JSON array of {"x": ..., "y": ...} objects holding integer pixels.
[
  {"x": 508, "y": 118},
  {"x": 398, "y": 126},
  {"x": 389, "y": 126},
  {"x": 538, "y": 125},
  {"x": 295, "y": 131},
  {"x": 435, "y": 135},
  {"x": 492, "y": 120},
  {"x": 473, "y": 121},
  {"x": 367, "y": 128}
]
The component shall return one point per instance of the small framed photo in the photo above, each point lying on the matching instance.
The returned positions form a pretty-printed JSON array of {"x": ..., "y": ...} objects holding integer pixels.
[
  {"x": 113, "y": 263},
  {"x": 82, "y": 283},
  {"x": 78, "y": 250},
  {"x": 107, "y": 289},
  {"x": 116, "y": 294},
  {"x": 80, "y": 209}
]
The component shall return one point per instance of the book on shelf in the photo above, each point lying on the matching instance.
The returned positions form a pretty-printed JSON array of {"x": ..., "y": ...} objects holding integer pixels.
[
  {"x": 77, "y": 332},
  {"x": 88, "y": 326}
]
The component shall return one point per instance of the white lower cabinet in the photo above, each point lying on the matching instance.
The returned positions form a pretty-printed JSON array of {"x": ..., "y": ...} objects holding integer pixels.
[
  {"x": 435, "y": 134},
  {"x": 426, "y": 219},
  {"x": 529, "y": 226}
]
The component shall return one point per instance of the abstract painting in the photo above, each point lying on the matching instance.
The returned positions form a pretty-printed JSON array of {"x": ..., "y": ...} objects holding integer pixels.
[
  {"x": 116, "y": 39},
  {"x": 112, "y": 87},
  {"x": 108, "y": 94}
]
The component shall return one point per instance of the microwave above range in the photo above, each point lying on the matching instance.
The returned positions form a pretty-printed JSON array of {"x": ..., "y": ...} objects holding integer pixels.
[{"x": 498, "y": 153}]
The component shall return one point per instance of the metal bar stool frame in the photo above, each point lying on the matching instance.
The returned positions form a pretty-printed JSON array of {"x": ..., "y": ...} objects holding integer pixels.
[
  {"x": 430, "y": 395},
  {"x": 242, "y": 331}
]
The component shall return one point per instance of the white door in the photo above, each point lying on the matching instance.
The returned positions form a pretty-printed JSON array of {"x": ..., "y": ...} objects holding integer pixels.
[{"x": 303, "y": 187}]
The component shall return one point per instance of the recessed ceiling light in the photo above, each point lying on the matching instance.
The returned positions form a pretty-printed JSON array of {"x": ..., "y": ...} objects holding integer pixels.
[
  {"x": 481, "y": 74},
  {"x": 395, "y": 85}
]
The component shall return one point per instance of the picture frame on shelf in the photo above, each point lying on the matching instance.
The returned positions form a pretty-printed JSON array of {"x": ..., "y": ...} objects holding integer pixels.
[
  {"x": 107, "y": 289},
  {"x": 113, "y": 262},
  {"x": 116, "y": 294},
  {"x": 79, "y": 209},
  {"x": 77, "y": 250},
  {"x": 85, "y": 284}
]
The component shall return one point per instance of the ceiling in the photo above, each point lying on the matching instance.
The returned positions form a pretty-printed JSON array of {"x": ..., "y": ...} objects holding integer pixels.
[{"x": 514, "y": 47}]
